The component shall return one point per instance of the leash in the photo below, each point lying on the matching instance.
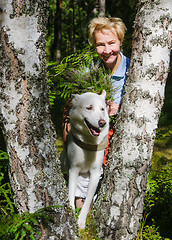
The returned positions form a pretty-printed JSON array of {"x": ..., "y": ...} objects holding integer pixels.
[{"x": 91, "y": 147}]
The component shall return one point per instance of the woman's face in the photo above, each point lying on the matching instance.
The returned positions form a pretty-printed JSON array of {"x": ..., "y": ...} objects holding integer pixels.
[{"x": 107, "y": 47}]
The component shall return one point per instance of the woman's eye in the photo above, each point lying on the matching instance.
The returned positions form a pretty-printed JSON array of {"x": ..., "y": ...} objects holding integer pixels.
[
  {"x": 89, "y": 107},
  {"x": 100, "y": 45}
]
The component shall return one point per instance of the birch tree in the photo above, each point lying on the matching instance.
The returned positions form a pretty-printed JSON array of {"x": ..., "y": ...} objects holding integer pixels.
[
  {"x": 120, "y": 205},
  {"x": 24, "y": 112}
]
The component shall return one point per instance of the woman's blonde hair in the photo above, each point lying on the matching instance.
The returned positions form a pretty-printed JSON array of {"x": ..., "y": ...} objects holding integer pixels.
[{"x": 104, "y": 23}]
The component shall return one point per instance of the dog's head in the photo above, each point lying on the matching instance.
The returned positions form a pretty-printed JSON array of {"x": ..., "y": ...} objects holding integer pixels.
[{"x": 89, "y": 113}]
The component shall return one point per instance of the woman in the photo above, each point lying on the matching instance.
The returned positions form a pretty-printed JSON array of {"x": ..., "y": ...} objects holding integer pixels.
[{"x": 106, "y": 35}]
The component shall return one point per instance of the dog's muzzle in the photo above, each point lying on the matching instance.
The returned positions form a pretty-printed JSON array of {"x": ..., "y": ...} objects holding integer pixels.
[{"x": 94, "y": 130}]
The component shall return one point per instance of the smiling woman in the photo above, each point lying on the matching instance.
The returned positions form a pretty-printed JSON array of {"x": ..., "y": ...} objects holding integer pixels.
[
  {"x": 108, "y": 49},
  {"x": 106, "y": 35}
]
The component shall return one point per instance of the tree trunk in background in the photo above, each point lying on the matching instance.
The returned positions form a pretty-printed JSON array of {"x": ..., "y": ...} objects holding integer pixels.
[
  {"x": 96, "y": 7},
  {"x": 102, "y": 8},
  {"x": 57, "y": 30},
  {"x": 73, "y": 27},
  {"x": 24, "y": 112},
  {"x": 120, "y": 204}
]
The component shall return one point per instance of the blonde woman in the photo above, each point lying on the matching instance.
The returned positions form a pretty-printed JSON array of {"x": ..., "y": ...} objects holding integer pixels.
[{"x": 107, "y": 35}]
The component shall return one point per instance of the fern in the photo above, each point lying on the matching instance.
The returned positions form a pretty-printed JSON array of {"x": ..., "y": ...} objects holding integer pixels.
[
  {"x": 6, "y": 204},
  {"x": 6, "y": 200},
  {"x": 77, "y": 74},
  {"x": 16, "y": 226}
]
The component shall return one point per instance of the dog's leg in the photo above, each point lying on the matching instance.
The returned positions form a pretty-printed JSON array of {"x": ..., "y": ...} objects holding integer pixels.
[
  {"x": 94, "y": 179},
  {"x": 73, "y": 178}
]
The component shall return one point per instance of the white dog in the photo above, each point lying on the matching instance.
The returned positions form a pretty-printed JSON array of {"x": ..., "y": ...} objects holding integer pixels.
[{"x": 87, "y": 140}]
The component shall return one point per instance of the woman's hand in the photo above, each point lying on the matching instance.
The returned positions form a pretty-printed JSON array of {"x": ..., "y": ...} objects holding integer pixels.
[{"x": 112, "y": 108}]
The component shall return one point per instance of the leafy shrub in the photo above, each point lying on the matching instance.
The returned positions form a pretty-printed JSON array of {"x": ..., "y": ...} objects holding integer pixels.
[
  {"x": 149, "y": 233},
  {"x": 158, "y": 197},
  {"x": 158, "y": 201}
]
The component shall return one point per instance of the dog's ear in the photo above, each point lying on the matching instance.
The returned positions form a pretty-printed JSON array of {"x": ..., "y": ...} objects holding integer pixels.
[
  {"x": 103, "y": 94},
  {"x": 75, "y": 98}
]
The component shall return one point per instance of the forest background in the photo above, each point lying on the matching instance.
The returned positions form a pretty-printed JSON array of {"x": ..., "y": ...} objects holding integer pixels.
[{"x": 67, "y": 44}]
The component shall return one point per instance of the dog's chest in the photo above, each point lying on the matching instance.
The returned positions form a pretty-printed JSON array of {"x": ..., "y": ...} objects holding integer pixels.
[{"x": 84, "y": 159}]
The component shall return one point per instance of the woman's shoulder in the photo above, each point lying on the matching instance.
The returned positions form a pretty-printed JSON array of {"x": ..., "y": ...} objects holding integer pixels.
[{"x": 126, "y": 60}]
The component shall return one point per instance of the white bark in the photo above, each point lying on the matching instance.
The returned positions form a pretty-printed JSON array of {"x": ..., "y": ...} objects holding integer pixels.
[
  {"x": 132, "y": 145},
  {"x": 35, "y": 172}
]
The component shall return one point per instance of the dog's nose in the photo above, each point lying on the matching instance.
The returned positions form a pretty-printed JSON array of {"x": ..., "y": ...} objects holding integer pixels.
[{"x": 102, "y": 122}]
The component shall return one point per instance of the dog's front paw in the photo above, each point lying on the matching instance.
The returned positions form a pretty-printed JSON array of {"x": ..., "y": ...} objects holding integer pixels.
[{"x": 81, "y": 222}]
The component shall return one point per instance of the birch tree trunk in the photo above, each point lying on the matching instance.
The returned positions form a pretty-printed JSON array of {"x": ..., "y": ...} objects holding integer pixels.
[
  {"x": 120, "y": 204},
  {"x": 58, "y": 29},
  {"x": 24, "y": 112}
]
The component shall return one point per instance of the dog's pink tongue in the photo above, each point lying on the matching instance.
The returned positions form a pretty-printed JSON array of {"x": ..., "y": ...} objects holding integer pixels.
[{"x": 94, "y": 132}]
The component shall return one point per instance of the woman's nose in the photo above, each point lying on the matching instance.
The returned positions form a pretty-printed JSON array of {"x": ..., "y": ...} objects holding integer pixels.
[{"x": 107, "y": 49}]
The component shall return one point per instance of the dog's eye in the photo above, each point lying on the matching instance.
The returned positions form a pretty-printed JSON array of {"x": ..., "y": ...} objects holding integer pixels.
[
  {"x": 89, "y": 107},
  {"x": 102, "y": 109}
]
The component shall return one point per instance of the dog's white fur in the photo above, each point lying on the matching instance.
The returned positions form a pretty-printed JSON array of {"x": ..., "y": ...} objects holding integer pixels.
[{"x": 87, "y": 107}]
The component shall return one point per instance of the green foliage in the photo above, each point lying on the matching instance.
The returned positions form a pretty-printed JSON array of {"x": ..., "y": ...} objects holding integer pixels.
[
  {"x": 16, "y": 226},
  {"x": 19, "y": 226},
  {"x": 158, "y": 197},
  {"x": 51, "y": 93},
  {"x": 6, "y": 201},
  {"x": 149, "y": 233},
  {"x": 158, "y": 200},
  {"x": 73, "y": 75}
]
